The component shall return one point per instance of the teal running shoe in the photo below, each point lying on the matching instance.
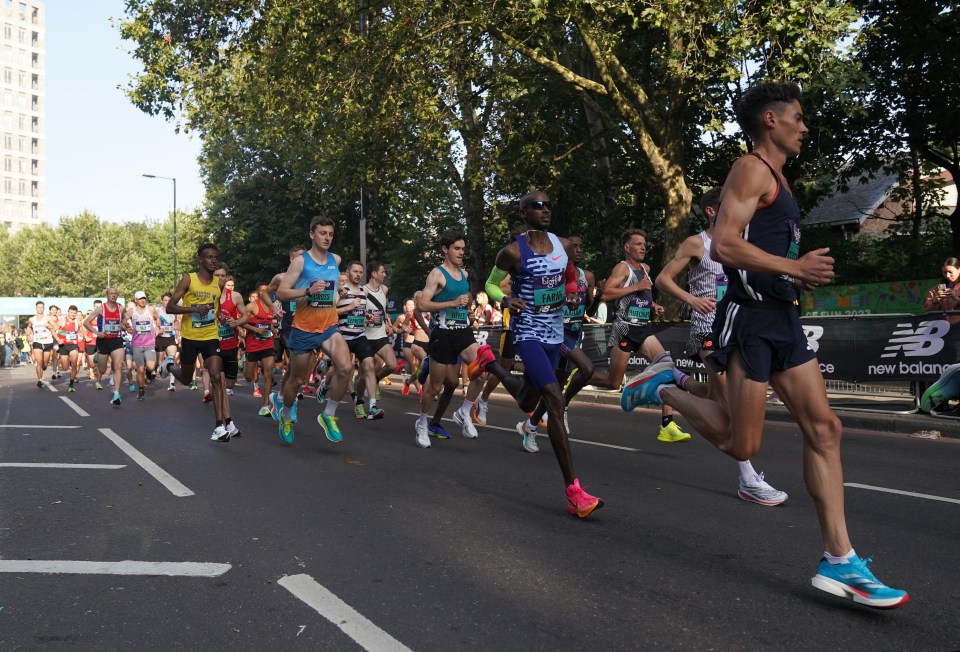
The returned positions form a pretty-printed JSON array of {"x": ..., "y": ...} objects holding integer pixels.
[
  {"x": 275, "y": 405},
  {"x": 286, "y": 430},
  {"x": 322, "y": 390},
  {"x": 642, "y": 388},
  {"x": 853, "y": 580},
  {"x": 330, "y": 427},
  {"x": 946, "y": 388}
]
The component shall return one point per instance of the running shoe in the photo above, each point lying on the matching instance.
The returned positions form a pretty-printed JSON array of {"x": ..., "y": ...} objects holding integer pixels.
[
  {"x": 758, "y": 491},
  {"x": 115, "y": 401},
  {"x": 229, "y": 392},
  {"x": 264, "y": 412},
  {"x": 406, "y": 388},
  {"x": 529, "y": 434},
  {"x": 484, "y": 357},
  {"x": 853, "y": 580},
  {"x": 671, "y": 433},
  {"x": 466, "y": 425},
  {"x": 71, "y": 388},
  {"x": 170, "y": 388},
  {"x": 946, "y": 388},
  {"x": 423, "y": 434},
  {"x": 141, "y": 392},
  {"x": 99, "y": 386},
  {"x": 39, "y": 384},
  {"x": 193, "y": 386},
  {"x": 256, "y": 392},
  {"x": 207, "y": 397},
  {"x": 544, "y": 420},
  {"x": 285, "y": 429},
  {"x": 307, "y": 390},
  {"x": 300, "y": 395},
  {"x": 438, "y": 431},
  {"x": 233, "y": 430},
  {"x": 220, "y": 434},
  {"x": 331, "y": 427},
  {"x": 165, "y": 367},
  {"x": 375, "y": 412},
  {"x": 581, "y": 503},
  {"x": 479, "y": 412},
  {"x": 424, "y": 369},
  {"x": 386, "y": 381},
  {"x": 132, "y": 387},
  {"x": 359, "y": 412},
  {"x": 642, "y": 388},
  {"x": 275, "y": 405},
  {"x": 293, "y": 412},
  {"x": 322, "y": 392}
]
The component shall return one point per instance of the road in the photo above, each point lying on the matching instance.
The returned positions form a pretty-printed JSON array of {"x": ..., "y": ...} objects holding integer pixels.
[{"x": 376, "y": 544}]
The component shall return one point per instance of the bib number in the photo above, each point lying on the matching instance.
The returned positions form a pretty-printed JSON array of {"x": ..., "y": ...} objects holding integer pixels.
[
  {"x": 111, "y": 327},
  {"x": 639, "y": 310},
  {"x": 356, "y": 321},
  {"x": 140, "y": 327},
  {"x": 200, "y": 320},
  {"x": 455, "y": 317},
  {"x": 225, "y": 332},
  {"x": 324, "y": 298},
  {"x": 722, "y": 284}
]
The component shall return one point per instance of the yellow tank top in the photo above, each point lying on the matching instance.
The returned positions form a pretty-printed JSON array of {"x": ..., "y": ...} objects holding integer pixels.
[{"x": 196, "y": 326}]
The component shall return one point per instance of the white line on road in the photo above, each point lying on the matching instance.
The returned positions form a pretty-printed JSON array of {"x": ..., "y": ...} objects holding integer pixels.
[
  {"x": 39, "y": 427},
  {"x": 37, "y": 465},
  {"x": 579, "y": 441},
  {"x": 167, "y": 568},
  {"x": 164, "y": 478},
  {"x": 902, "y": 493},
  {"x": 338, "y": 612},
  {"x": 50, "y": 387},
  {"x": 76, "y": 408}
]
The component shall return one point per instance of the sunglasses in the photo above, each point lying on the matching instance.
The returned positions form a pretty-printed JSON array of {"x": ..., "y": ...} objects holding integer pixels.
[{"x": 539, "y": 205}]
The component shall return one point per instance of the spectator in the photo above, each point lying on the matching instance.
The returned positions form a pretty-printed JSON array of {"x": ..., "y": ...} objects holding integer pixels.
[{"x": 944, "y": 296}]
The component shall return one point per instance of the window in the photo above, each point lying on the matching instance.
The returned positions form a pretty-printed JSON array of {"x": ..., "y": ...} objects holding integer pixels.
[
  {"x": 7, "y": 76},
  {"x": 8, "y": 186},
  {"x": 7, "y": 141},
  {"x": 7, "y": 164},
  {"x": 23, "y": 188}
]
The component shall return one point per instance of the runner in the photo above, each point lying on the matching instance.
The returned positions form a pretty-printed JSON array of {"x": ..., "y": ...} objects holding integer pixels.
[
  {"x": 108, "y": 318},
  {"x": 757, "y": 239},
  {"x": 708, "y": 284},
  {"x": 286, "y": 319},
  {"x": 41, "y": 328},
  {"x": 630, "y": 284},
  {"x": 144, "y": 322},
  {"x": 229, "y": 318},
  {"x": 378, "y": 329},
  {"x": 258, "y": 321},
  {"x": 90, "y": 343},
  {"x": 574, "y": 363},
  {"x": 311, "y": 281},
  {"x": 415, "y": 340},
  {"x": 70, "y": 339},
  {"x": 55, "y": 321},
  {"x": 451, "y": 340},
  {"x": 352, "y": 308},
  {"x": 544, "y": 278},
  {"x": 200, "y": 293},
  {"x": 168, "y": 335}
]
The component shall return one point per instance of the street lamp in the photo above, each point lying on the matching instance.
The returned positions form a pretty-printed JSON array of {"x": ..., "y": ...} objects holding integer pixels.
[{"x": 174, "y": 179}]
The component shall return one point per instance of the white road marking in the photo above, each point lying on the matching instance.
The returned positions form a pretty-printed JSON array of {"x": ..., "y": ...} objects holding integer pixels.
[
  {"x": 37, "y": 465},
  {"x": 167, "y": 568},
  {"x": 902, "y": 493},
  {"x": 28, "y": 427},
  {"x": 164, "y": 478},
  {"x": 76, "y": 408},
  {"x": 50, "y": 387},
  {"x": 351, "y": 622},
  {"x": 512, "y": 431}
]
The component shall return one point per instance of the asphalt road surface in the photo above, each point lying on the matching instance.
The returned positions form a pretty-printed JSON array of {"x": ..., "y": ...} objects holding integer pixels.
[{"x": 126, "y": 528}]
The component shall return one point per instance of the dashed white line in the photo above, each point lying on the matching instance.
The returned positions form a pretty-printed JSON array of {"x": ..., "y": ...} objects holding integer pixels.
[
  {"x": 349, "y": 620},
  {"x": 76, "y": 408},
  {"x": 166, "y": 568},
  {"x": 38, "y": 465},
  {"x": 175, "y": 486},
  {"x": 902, "y": 493},
  {"x": 30, "y": 427},
  {"x": 50, "y": 387}
]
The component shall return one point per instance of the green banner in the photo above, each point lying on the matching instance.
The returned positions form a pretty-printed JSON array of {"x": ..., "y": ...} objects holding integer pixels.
[{"x": 867, "y": 298}]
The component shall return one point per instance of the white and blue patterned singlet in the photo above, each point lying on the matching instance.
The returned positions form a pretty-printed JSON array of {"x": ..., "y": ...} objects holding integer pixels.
[{"x": 541, "y": 283}]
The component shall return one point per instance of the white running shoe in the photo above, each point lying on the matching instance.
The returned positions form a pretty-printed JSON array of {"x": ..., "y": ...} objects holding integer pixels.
[
  {"x": 466, "y": 425},
  {"x": 758, "y": 491},
  {"x": 220, "y": 434},
  {"x": 529, "y": 434},
  {"x": 232, "y": 430},
  {"x": 423, "y": 433}
]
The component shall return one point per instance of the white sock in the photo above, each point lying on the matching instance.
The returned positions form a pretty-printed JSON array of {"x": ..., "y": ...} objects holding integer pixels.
[
  {"x": 285, "y": 413},
  {"x": 330, "y": 409},
  {"x": 840, "y": 560},
  {"x": 465, "y": 408},
  {"x": 373, "y": 403},
  {"x": 480, "y": 401},
  {"x": 747, "y": 474},
  {"x": 424, "y": 418}
]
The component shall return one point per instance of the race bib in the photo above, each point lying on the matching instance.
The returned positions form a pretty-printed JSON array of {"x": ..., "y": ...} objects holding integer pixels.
[
  {"x": 722, "y": 283},
  {"x": 455, "y": 317},
  {"x": 111, "y": 327},
  {"x": 639, "y": 310},
  {"x": 141, "y": 327},
  {"x": 293, "y": 308},
  {"x": 549, "y": 293},
  {"x": 225, "y": 332},
  {"x": 793, "y": 251},
  {"x": 199, "y": 320},
  {"x": 356, "y": 321},
  {"x": 70, "y": 337},
  {"x": 324, "y": 298},
  {"x": 266, "y": 335}
]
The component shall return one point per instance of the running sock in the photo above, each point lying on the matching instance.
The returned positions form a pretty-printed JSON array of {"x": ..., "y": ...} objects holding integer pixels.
[
  {"x": 226, "y": 421},
  {"x": 665, "y": 421},
  {"x": 660, "y": 357},
  {"x": 356, "y": 400},
  {"x": 219, "y": 422},
  {"x": 840, "y": 560},
  {"x": 465, "y": 408},
  {"x": 747, "y": 473},
  {"x": 285, "y": 413},
  {"x": 680, "y": 378},
  {"x": 373, "y": 403},
  {"x": 424, "y": 418},
  {"x": 330, "y": 409}
]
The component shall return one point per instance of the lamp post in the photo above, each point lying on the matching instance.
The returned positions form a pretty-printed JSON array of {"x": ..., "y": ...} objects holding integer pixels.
[{"x": 174, "y": 179}]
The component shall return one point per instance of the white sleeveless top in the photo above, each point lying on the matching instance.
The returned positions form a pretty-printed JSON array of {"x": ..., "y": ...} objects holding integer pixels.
[{"x": 705, "y": 280}]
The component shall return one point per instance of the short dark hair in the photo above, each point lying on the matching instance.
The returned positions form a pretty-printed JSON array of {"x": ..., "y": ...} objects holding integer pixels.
[
  {"x": 40, "y": 303},
  {"x": 320, "y": 220},
  {"x": 352, "y": 263},
  {"x": 297, "y": 247},
  {"x": 207, "y": 245},
  {"x": 72, "y": 307},
  {"x": 710, "y": 199},
  {"x": 447, "y": 238},
  {"x": 629, "y": 233},
  {"x": 758, "y": 99},
  {"x": 166, "y": 294},
  {"x": 373, "y": 268}
]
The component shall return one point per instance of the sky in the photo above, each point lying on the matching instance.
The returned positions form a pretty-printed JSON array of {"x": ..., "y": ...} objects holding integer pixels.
[{"x": 98, "y": 144}]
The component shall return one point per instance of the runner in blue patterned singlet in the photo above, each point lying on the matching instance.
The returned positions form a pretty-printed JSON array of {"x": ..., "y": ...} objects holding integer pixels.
[
  {"x": 544, "y": 279},
  {"x": 708, "y": 284},
  {"x": 758, "y": 337}
]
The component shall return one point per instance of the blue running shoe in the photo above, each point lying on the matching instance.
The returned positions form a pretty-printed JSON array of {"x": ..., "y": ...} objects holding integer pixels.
[
  {"x": 438, "y": 431},
  {"x": 424, "y": 369},
  {"x": 275, "y": 405},
  {"x": 946, "y": 388},
  {"x": 293, "y": 412},
  {"x": 642, "y": 388},
  {"x": 330, "y": 427},
  {"x": 854, "y": 580},
  {"x": 286, "y": 430}
]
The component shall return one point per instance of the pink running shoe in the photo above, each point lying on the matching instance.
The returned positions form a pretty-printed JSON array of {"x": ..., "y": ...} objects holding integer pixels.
[
  {"x": 484, "y": 357},
  {"x": 581, "y": 503}
]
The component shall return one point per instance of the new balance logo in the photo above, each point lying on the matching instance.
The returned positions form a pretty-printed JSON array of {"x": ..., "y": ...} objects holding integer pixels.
[
  {"x": 813, "y": 333},
  {"x": 927, "y": 340}
]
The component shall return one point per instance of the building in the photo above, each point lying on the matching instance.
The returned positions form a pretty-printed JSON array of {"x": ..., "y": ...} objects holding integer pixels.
[{"x": 22, "y": 104}]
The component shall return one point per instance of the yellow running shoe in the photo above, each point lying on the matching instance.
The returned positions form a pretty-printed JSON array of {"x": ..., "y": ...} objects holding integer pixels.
[{"x": 672, "y": 433}]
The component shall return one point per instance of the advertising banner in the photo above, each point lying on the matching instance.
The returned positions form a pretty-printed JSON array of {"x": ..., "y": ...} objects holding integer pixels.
[{"x": 866, "y": 299}]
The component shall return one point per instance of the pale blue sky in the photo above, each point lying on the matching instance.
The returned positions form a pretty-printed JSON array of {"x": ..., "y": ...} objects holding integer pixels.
[{"x": 97, "y": 143}]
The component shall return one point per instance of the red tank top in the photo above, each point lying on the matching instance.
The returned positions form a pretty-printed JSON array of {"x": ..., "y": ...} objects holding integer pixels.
[
  {"x": 229, "y": 339},
  {"x": 257, "y": 340},
  {"x": 69, "y": 332},
  {"x": 111, "y": 322}
]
